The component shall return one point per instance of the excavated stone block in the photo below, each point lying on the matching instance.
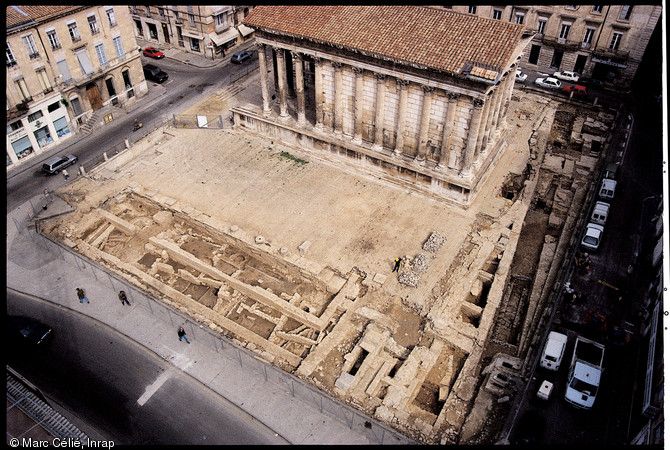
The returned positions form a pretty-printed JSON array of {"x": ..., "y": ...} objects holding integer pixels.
[
  {"x": 162, "y": 217},
  {"x": 302, "y": 248}
]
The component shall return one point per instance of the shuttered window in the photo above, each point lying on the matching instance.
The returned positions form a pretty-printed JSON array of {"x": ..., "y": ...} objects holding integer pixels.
[{"x": 84, "y": 61}]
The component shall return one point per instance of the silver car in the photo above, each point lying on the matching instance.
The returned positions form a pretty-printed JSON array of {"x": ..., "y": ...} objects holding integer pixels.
[
  {"x": 548, "y": 82},
  {"x": 58, "y": 163}
]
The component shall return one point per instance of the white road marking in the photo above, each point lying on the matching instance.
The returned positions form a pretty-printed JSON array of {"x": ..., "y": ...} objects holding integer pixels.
[{"x": 152, "y": 388}]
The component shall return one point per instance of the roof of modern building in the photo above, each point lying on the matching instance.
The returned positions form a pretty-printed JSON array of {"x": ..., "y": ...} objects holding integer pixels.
[
  {"x": 434, "y": 38},
  {"x": 19, "y": 15}
]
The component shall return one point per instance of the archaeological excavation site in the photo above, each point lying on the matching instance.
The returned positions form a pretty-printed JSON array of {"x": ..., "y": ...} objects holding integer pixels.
[{"x": 290, "y": 254}]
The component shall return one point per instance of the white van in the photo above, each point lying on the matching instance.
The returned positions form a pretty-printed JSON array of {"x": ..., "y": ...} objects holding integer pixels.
[
  {"x": 592, "y": 236},
  {"x": 600, "y": 212},
  {"x": 553, "y": 351},
  {"x": 607, "y": 189}
]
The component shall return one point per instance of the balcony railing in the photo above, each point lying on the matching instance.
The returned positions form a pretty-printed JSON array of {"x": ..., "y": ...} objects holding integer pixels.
[
  {"x": 11, "y": 63},
  {"x": 608, "y": 52},
  {"x": 76, "y": 38},
  {"x": 34, "y": 55},
  {"x": 562, "y": 42},
  {"x": 586, "y": 45},
  {"x": 56, "y": 46}
]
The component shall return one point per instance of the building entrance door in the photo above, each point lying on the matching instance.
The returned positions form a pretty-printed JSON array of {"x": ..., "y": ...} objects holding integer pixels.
[
  {"x": 93, "y": 95},
  {"x": 165, "y": 33},
  {"x": 580, "y": 63}
]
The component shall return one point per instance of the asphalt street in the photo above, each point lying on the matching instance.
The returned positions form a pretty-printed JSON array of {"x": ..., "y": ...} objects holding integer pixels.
[
  {"x": 122, "y": 390},
  {"x": 186, "y": 86}
]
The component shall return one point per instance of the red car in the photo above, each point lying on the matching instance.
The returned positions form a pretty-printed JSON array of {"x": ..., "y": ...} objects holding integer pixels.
[
  {"x": 578, "y": 89},
  {"x": 152, "y": 52}
]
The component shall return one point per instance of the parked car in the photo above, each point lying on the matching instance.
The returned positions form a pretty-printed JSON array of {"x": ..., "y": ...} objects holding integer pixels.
[
  {"x": 593, "y": 236},
  {"x": 240, "y": 57},
  {"x": 548, "y": 82},
  {"x": 153, "y": 73},
  {"x": 520, "y": 76},
  {"x": 553, "y": 351},
  {"x": 26, "y": 331},
  {"x": 607, "y": 189},
  {"x": 152, "y": 52},
  {"x": 578, "y": 90},
  {"x": 611, "y": 171},
  {"x": 58, "y": 163},
  {"x": 566, "y": 75}
]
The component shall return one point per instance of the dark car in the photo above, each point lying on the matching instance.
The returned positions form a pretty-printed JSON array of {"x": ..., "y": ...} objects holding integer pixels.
[
  {"x": 26, "y": 331},
  {"x": 58, "y": 163},
  {"x": 153, "y": 73},
  {"x": 153, "y": 52},
  {"x": 240, "y": 57}
]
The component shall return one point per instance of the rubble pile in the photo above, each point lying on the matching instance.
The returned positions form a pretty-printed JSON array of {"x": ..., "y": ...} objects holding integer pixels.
[
  {"x": 408, "y": 278},
  {"x": 420, "y": 263},
  {"x": 434, "y": 242}
]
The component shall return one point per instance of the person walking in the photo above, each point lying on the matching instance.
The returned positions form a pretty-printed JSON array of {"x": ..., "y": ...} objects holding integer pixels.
[
  {"x": 396, "y": 265},
  {"x": 82, "y": 296},
  {"x": 65, "y": 174},
  {"x": 182, "y": 335},
  {"x": 123, "y": 298}
]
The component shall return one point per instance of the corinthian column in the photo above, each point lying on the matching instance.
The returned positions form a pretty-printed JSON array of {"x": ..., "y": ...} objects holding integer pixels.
[
  {"x": 447, "y": 130},
  {"x": 422, "y": 148},
  {"x": 473, "y": 131},
  {"x": 379, "y": 116},
  {"x": 263, "y": 68},
  {"x": 299, "y": 86},
  {"x": 402, "y": 111},
  {"x": 358, "y": 106},
  {"x": 318, "y": 91},
  {"x": 337, "y": 108},
  {"x": 281, "y": 73}
]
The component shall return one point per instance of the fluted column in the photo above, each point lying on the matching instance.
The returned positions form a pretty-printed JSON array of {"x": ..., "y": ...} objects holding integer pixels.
[
  {"x": 508, "y": 87},
  {"x": 482, "y": 126},
  {"x": 445, "y": 150},
  {"x": 402, "y": 111},
  {"x": 281, "y": 73},
  {"x": 379, "y": 115},
  {"x": 318, "y": 91},
  {"x": 508, "y": 95},
  {"x": 489, "y": 117},
  {"x": 422, "y": 148},
  {"x": 358, "y": 106},
  {"x": 473, "y": 130},
  {"x": 337, "y": 109},
  {"x": 299, "y": 86},
  {"x": 263, "y": 67}
]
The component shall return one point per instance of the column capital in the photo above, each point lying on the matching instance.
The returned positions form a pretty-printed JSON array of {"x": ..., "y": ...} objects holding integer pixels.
[
  {"x": 452, "y": 96},
  {"x": 357, "y": 70},
  {"x": 427, "y": 89},
  {"x": 260, "y": 47},
  {"x": 296, "y": 55},
  {"x": 478, "y": 102},
  {"x": 380, "y": 76},
  {"x": 402, "y": 83},
  {"x": 336, "y": 64},
  {"x": 279, "y": 51}
]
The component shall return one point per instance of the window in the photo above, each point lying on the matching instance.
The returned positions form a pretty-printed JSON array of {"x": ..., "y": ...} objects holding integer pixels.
[
  {"x": 625, "y": 12},
  {"x": 23, "y": 89},
  {"x": 11, "y": 61},
  {"x": 140, "y": 31},
  {"x": 126, "y": 79},
  {"x": 472, "y": 9},
  {"x": 220, "y": 20},
  {"x": 74, "y": 32},
  {"x": 541, "y": 24},
  {"x": 118, "y": 45},
  {"x": 44, "y": 80},
  {"x": 518, "y": 18},
  {"x": 64, "y": 70},
  {"x": 534, "y": 54},
  {"x": 588, "y": 37},
  {"x": 93, "y": 25},
  {"x": 14, "y": 126},
  {"x": 616, "y": 40},
  {"x": 565, "y": 30},
  {"x": 30, "y": 45},
  {"x": 84, "y": 61},
  {"x": 22, "y": 147},
  {"x": 53, "y": 39},
  {"x": 34, "y": 116},
  {"x": 43, "y": 136},
  {"x": 61, "y": 127},
  {"x": 497, "y": 14},
  {"x": 195, "y": 45},
  {"x": 54, "y": 106},
  {"x": 597, "y": 9},
  {"x": 191, "y": 19},
  {"x": 100, "y": 51},
  {"x": 111, "y": 17}
]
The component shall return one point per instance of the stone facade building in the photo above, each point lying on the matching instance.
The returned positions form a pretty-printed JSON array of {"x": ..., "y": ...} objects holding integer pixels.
[
  {"x": 64, "y": 63},
  {"x": 414, "y": 94},
  {"x": 605, "y": 42},
  {"x": 205, "y": 30}
]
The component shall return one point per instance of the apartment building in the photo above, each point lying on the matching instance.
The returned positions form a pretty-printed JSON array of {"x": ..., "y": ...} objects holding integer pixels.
[
  {"x": 63, "y": 64},
  {"x": 603, "y": 42},
  {"x": 205, "y": 30}
]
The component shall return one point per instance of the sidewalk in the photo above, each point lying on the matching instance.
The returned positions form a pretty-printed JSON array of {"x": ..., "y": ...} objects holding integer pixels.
[
  {"x": 193, "y": 59},
  {"x": 29, "y": 259}
]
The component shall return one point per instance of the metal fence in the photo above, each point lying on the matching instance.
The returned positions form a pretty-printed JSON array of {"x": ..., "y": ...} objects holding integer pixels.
[{"x": 275, "y": 376}]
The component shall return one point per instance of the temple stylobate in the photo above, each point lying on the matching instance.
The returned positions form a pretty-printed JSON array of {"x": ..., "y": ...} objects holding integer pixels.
[{"x": 416, "y": 94}]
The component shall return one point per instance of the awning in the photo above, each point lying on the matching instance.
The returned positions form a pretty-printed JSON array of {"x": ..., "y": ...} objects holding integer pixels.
[
  {"x": 220, "y": 39},
  {"x": 192, "y": 34},
  {"x": 244, "y": 30}
]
